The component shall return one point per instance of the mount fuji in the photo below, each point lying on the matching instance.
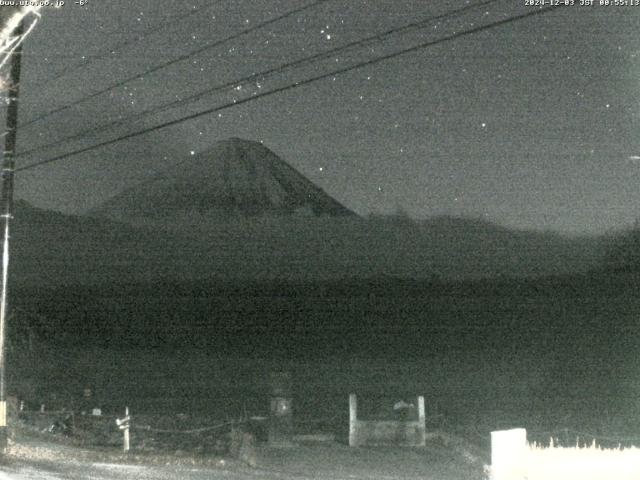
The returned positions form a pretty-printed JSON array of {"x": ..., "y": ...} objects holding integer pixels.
[{"x": 234, "y": 178}]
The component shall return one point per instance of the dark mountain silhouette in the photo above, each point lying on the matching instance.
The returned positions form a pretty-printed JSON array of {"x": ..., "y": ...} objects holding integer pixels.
[
  {"x": 239, "y": 212},
  {"x": 234, "y": 178},
  {"x": 50, "y": 248}
]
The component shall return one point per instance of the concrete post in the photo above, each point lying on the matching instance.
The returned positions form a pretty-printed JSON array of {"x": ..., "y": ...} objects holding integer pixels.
[
  {"x": 353, "y": 420},
  {"x": 422, "y": 425},
  {"x": 421, "y": 415},
  {"x": 126, "y": 442}
]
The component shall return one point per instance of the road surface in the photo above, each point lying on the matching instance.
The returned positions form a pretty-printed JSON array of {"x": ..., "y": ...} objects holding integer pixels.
[{"x": 51, "y": 461}]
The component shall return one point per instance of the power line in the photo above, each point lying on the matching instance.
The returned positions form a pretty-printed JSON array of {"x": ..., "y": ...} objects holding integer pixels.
[
  {"x": 291, "y": 86},
  {"x": 265, "y": 73},
  {"x": 172, "y": 62},
  {"x": 160, "y": 27}
]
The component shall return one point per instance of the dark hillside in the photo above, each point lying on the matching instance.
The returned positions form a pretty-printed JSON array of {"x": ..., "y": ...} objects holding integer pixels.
[{"x": 49, "y": 248}]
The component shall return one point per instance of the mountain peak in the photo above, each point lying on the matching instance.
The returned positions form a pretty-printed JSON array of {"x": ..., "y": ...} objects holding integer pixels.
[{"x": 234, "y": 177}]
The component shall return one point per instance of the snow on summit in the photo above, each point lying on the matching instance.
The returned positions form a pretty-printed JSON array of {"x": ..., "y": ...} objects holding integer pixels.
[{"x": 234, "y": 177}]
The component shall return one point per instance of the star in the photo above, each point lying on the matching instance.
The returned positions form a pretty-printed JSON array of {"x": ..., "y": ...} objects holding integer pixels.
[{"x": 435, "y": 92}]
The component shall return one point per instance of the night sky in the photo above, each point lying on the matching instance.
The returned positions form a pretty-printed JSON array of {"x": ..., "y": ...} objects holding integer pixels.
[{"x": 532, "y": 124}]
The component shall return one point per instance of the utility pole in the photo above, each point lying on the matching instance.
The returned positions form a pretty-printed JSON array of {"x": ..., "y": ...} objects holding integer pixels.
[{"x": 6, "y": 210}]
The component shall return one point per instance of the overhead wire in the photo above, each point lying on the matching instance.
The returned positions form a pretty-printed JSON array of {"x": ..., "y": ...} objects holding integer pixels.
[
  {"x": 171, "y": 62},
  {"x": 259, "y": 75},
  {"x": 292, "y": 86}
]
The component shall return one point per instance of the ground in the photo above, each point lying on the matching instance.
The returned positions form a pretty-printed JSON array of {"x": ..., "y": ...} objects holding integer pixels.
[{"x": 32, "y": 457}]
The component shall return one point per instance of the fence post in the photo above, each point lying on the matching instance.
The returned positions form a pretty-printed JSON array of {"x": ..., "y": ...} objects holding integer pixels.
[
  {"x": 124, "y": 424},
  {"x": 126, "y": 430},
  {"x": 508, "y": 454},
  {"x": 353, "y": 420},
  {"x": 422, "y": 422}
]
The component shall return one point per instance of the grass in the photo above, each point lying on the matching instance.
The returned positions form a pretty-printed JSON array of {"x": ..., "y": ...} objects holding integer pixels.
[{"x": 582, "y": 462}]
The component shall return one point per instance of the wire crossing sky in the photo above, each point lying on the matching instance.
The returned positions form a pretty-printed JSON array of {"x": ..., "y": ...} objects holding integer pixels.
[
  {"x": 530, "y": 124},
  {"x": 297, "y": 84},
  {"x": 259, "y": 76},
  {"x": 173, "y": 61}
]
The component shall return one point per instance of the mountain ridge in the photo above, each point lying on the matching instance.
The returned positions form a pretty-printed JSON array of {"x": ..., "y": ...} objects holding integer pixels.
[
  {"x": 51, "y": 248},
  {"x": 234, "y": 177}
]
